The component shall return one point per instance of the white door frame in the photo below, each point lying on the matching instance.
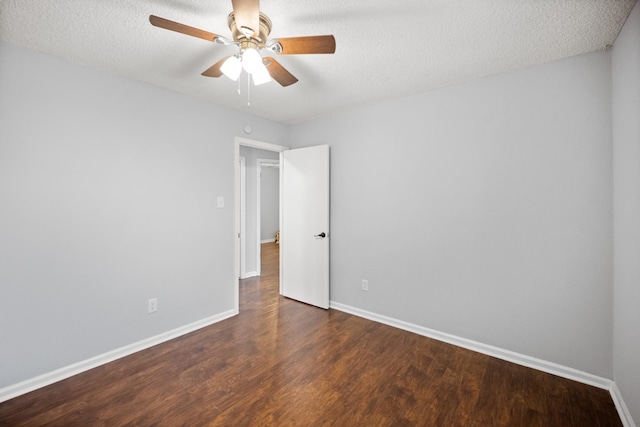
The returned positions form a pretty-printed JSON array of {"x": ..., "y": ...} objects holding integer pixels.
[
  {"x": 260, "y": 163},
  {"x": 238, "y": 141}
]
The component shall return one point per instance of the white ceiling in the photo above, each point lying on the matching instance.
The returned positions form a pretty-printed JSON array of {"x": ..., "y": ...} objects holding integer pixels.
[{"x": 385, "y": 49}]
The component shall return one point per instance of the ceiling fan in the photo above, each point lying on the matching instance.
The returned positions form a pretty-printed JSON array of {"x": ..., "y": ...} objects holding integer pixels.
[{"x": 250, "y": 29}]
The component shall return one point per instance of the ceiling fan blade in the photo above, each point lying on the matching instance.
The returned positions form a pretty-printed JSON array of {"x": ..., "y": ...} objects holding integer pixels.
[
  {"x": 311, "y": 44},
  {"x": 156, "y": 21},
  {"x": 214, "y": 70},
  {"x": 278, "y": 72},
  {"x": 247, "y": 15}
]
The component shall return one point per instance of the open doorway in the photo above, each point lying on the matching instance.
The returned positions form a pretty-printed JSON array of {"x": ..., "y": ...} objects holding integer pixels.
[
  {"x": 267, "y": 204},
  {"x": 259, "y": 208},
  {"x": 258, "y": 155}
]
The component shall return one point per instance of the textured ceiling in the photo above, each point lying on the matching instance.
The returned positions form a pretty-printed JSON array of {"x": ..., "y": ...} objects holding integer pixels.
[{"x": 385, "y": 49}]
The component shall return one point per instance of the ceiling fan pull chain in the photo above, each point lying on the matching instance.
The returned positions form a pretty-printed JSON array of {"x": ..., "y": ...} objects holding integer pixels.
[{"x": 248, "y": 90}]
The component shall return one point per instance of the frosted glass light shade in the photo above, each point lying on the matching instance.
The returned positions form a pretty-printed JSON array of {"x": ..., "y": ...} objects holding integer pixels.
[
  {"x": 261, "y": 75},
  {"x": 232, "y": 67},
  {"x": 251, "y": 60}
]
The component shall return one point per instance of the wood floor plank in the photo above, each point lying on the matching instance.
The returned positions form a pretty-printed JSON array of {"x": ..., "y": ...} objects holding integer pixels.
[{"x": 284, "y": 363}]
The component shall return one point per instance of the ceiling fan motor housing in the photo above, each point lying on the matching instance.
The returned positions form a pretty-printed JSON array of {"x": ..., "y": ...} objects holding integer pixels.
[{"x": 256, "y": 41}]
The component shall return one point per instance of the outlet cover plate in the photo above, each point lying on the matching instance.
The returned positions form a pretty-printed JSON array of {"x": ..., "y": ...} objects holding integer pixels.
[{"x": 152, "y": 305}]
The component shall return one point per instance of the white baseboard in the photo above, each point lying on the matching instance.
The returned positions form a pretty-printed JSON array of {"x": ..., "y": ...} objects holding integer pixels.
[
  {"x": 23, "y": 387},
  {"x": 510, "y": 356},
  {"x": 250, "y": 274},
  {"x": 625, "y": 415},
  {"x": 268, "y": 240}
]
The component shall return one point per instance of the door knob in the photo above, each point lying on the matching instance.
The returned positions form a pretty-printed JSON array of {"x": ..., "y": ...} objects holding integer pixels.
[{"x": 323, "y": 235}]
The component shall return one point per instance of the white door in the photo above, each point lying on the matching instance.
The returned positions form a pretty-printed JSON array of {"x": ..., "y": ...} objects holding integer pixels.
[{"x": 304, "y": 227}]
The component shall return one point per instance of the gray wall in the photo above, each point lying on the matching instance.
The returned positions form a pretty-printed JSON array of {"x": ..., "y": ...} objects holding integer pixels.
[
  {"x": 107, "y": 198},
  {"x": 626, "y": 148},
  {"x": 482, "y": 210},
  {"x": 269, "y": 203}
]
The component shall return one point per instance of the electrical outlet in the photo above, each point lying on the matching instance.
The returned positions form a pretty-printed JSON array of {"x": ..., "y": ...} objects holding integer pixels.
[
  {"x": 152, "y": 305},
  {"x": 365, "y": 285}
]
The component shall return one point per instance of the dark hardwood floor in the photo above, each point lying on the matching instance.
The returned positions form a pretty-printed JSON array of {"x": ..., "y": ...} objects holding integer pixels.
[{"x": 283, "y": 363}]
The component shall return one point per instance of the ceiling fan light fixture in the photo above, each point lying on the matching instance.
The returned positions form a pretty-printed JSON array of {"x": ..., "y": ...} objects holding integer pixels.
[
  {"x": 232, "y": 67},
  {"x": 261, "y": 75},
  {"x": 251, "y": 60},
  {"x": 250, "y": 34}
]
